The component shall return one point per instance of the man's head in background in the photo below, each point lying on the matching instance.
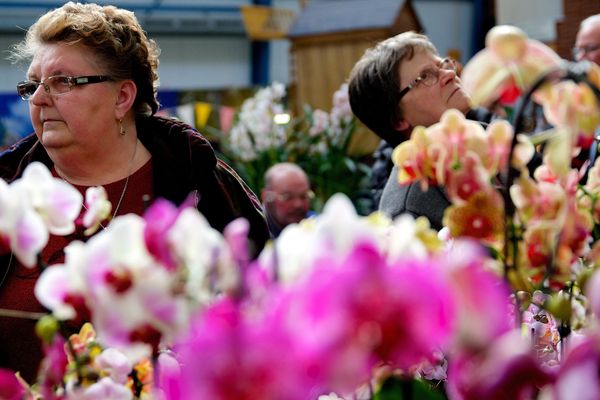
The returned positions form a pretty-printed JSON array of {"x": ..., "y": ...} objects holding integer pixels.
[
  {"x": 286, "y": 195},
  {"x": 587, "y": 43}
]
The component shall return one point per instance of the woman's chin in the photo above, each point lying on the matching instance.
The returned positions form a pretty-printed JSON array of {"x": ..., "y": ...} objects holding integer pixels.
[
  {"x": 460, "y": 102},
  {"x": 53, "y": 139}
]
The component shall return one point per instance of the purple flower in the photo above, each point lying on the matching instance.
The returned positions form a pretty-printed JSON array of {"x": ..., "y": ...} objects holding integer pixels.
[
  {"x": 578, "y": 375},
  {"x": 10, "y": 387},
  {"x": 228, "y": 357},
  {"x": 349, "y": 315},
  {"x": 53, "y": 368},
  {"x": 482, "y": 297},
  {"x": 160, "y": 217},
  {"x": 506, "y": 369}
]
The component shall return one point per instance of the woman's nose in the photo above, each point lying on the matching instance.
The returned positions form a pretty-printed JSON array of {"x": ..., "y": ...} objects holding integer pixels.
[
  {"x": 447, "y": 76},
  {"x": 40, "y": 96}
]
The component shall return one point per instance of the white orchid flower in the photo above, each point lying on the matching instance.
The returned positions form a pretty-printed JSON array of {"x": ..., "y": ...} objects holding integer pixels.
[
  {"x": 57, "y": 202},
  {"x": 97, "y": 208}
]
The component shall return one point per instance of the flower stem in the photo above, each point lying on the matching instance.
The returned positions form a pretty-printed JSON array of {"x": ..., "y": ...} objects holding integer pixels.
[{"x": 20, "y": 314}]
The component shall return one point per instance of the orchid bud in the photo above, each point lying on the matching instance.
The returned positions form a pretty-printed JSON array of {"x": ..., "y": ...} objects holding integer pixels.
[{"x": 46, "y": 328}]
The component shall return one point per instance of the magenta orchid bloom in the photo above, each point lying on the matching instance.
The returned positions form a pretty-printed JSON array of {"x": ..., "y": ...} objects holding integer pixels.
[
  {"x": 241, "y": 359},
  {"x": 579, "y": 370},
  {"x": 397, "y": 313},
  {"x": 10, "y": 387},
  {"x": 506, "y": 369},
  {"x": 53, "y": 368},
  {"x": 160, "y": 218},
  {"x": 481, "y": 296}
]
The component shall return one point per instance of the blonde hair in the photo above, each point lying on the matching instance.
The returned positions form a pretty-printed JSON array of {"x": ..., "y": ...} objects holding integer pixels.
[{"x": 113, "y": 34}]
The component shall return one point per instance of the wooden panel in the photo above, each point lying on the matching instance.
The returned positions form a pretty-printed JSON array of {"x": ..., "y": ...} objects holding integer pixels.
[
  {"x": 339, "y": 37},
  {"x": 321, "y": 68}
]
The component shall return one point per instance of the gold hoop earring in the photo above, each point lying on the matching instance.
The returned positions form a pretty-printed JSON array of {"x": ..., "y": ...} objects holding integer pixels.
[{"x": 121, "y": 127}]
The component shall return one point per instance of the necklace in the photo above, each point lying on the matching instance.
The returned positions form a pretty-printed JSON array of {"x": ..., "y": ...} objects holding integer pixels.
[
  {"x": 122, "y": 196},
  {"x": 7, "y": 269}
]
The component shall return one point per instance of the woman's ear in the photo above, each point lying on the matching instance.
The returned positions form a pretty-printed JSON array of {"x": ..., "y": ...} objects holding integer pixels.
[{"x": 126, "y": 94}]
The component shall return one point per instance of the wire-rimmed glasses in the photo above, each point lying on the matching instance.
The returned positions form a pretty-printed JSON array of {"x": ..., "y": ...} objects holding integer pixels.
[{"x": 429, "y": 77}]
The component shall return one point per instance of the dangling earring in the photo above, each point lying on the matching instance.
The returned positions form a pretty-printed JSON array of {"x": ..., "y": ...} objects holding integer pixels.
[{"x": 121, "y": 127}]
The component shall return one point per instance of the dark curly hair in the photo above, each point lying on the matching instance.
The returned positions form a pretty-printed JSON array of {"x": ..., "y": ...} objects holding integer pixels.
[{"x": 114, "y": 34}]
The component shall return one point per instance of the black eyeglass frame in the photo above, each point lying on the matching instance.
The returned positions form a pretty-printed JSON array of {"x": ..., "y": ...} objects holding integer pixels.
[
  {"x": 27, "y": 88},
  {"x": 418, "y": 79}
]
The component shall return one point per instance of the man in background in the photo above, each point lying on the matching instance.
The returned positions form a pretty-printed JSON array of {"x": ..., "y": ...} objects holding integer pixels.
[
  {"x": 286, "y": 196},
  {"x": 587, "y": 43},
  {"x": 587, "y": 47}
]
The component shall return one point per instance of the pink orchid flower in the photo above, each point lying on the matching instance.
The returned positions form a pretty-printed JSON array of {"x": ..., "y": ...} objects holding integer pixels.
[
  {"x": 134, "y": 300},
  {"x": 506, "y": 369},
  {"x": 433, "y": 152},
  {"x": 471, "y": 178},
  {"x": 579, "y": 370},
  {"x": 480, "y": 295},
  {"x": 10, "y": 387},
  {"x": 399, "y": 313},
  {"x": 241, "y": 359}
]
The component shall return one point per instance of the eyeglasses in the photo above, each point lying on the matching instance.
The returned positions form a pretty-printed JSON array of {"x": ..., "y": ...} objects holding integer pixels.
[
  {"x": 285, "y": 197},
  {"x": 430, "y": 76},
  {"x": 578, "y": 52},
  {"x": 57, "y": 84}
]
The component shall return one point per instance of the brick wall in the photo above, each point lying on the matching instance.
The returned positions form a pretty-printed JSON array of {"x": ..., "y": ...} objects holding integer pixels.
[{"x": 566, "y": 30}]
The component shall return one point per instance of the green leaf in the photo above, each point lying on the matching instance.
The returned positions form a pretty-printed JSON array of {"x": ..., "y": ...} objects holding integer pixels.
[{"x": 404, "y": 389}]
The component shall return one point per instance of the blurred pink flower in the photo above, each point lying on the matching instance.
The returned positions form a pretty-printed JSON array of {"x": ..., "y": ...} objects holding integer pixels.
[
  {"x": 159, "y": 218},
  {"x": 399, "y": 313},
  {"x": 506, "y": 369},
  {"x": 228, "y": 357},
  {"x": 578, "y": 374},
  {"x": 10, "y": 387},
  {"x": 480, "y": 295},
  {"x": 53, "y": 368}
]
